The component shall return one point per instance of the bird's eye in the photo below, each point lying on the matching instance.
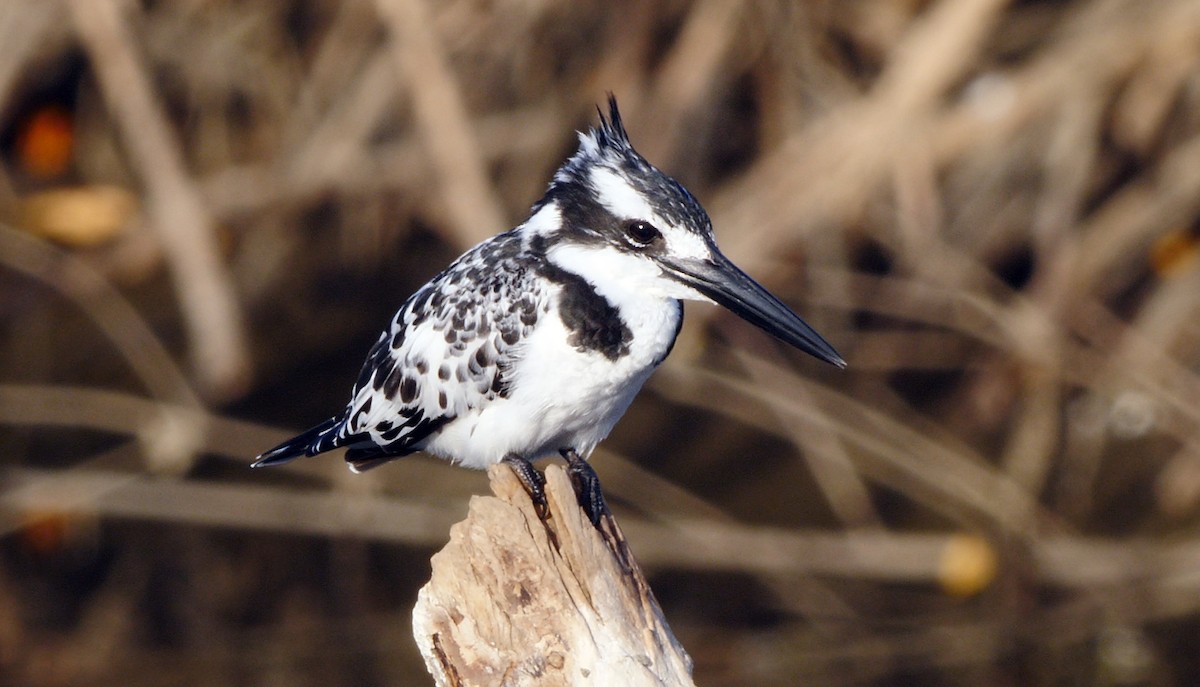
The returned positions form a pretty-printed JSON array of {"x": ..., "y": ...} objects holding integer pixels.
[{"x": 641, "y": 233}]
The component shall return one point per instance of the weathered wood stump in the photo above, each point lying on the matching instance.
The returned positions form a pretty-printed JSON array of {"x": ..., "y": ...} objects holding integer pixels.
[{"x": 514, "y": 600}]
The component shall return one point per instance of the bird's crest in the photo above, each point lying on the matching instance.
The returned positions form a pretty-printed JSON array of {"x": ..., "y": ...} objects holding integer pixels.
[
  {"x": 607, "y": 143},
  {"x": 611, "y": 132},
  {"x": 642, "y": 189}
]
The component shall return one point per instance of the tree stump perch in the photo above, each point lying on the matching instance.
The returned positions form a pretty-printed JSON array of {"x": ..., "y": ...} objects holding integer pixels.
[{"x": 515, "y": 600}]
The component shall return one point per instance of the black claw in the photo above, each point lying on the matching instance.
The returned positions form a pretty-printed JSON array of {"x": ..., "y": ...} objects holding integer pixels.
[
  {"x": 587, "y": 487},
  {"x": 533, "y": 481}
]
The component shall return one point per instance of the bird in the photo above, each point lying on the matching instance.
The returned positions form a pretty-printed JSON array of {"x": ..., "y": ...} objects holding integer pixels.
[{"x": 537, "y": 340}]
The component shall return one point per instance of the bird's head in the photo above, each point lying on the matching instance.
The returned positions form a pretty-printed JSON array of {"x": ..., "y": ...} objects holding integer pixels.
[{"x": 615, "y": 219}]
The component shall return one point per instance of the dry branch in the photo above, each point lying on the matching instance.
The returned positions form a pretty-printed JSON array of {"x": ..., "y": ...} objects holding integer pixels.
[
  {"x": 515, "y": 600},
  {"x": 442, "y": 119},
  {"x": 174, "y": 204},
  {"x": 117, "y": 318}
]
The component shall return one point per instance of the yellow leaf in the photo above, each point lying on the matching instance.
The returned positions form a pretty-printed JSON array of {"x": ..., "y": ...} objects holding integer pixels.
[{"x": 81, "y": 217}]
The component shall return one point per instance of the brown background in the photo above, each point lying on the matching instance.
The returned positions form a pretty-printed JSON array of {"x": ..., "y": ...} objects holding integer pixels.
[{"x": 208, "y": 210}]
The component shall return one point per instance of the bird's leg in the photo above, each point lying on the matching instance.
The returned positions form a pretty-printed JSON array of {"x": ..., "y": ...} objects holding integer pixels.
[
  {"x": 533, "y": 481},
  {"x": 587, "y": 486}
]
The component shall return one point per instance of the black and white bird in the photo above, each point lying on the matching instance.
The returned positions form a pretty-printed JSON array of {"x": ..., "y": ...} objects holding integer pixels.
[{"x": 536, "y": 341}]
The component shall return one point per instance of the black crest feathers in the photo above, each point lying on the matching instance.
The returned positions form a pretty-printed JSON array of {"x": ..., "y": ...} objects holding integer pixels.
[{"x": 611, "y": 132}]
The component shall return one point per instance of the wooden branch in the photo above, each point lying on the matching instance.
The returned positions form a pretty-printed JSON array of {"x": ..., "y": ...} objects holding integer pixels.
[
  {"x": 469, "y": 199},
  {"x": 514, "y": 600},
  {"x": 173, "y": 203}
]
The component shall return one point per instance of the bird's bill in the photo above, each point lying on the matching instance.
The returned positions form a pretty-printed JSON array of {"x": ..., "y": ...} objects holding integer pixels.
[{"x": 722, "y": 281}]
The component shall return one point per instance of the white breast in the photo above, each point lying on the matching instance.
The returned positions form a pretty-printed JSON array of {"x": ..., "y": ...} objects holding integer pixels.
[{"x": 561, "y": 396}]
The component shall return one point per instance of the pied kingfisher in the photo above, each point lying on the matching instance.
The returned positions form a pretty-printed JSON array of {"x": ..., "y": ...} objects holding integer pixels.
[{"x": 536, "y": 340}]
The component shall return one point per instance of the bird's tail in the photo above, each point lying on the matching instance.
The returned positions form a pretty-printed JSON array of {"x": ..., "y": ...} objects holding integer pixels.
[{"x": 316, "y": 440}]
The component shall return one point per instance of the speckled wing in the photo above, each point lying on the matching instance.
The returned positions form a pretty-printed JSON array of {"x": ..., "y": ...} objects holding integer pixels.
[{"x": 449, "y": 349}]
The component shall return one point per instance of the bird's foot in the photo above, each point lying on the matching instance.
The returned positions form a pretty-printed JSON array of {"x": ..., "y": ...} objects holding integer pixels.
[
  {"x": 533, "y": 481},
  {"x": 587, "y": 487}
]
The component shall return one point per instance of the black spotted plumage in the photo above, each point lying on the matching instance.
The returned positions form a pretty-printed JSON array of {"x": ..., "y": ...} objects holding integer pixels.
[{"x": 472, "y": 316}]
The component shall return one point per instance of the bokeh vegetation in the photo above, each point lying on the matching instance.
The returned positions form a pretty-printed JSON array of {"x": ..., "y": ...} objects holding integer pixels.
[{"x": 209, "y": 208}]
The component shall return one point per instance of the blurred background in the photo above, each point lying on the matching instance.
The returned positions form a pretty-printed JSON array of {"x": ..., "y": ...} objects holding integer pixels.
[{"x": 210, "y": 208}]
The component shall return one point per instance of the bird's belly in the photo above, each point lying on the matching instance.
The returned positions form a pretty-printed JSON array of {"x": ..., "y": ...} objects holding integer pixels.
[{"x": 559, "y": 396}]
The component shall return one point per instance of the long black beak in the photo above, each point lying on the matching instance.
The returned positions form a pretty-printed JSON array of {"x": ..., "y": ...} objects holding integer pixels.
[{"x": 721, "y": 280}]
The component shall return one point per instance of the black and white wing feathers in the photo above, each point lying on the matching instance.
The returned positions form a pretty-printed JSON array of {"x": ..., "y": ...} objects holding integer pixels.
[{"x": 450, "y": 349}]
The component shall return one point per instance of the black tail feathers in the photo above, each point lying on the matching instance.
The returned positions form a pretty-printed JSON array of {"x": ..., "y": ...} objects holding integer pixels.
[
  {"x": 316, "y": 440},
  {"x": 365, "y": 458}
]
